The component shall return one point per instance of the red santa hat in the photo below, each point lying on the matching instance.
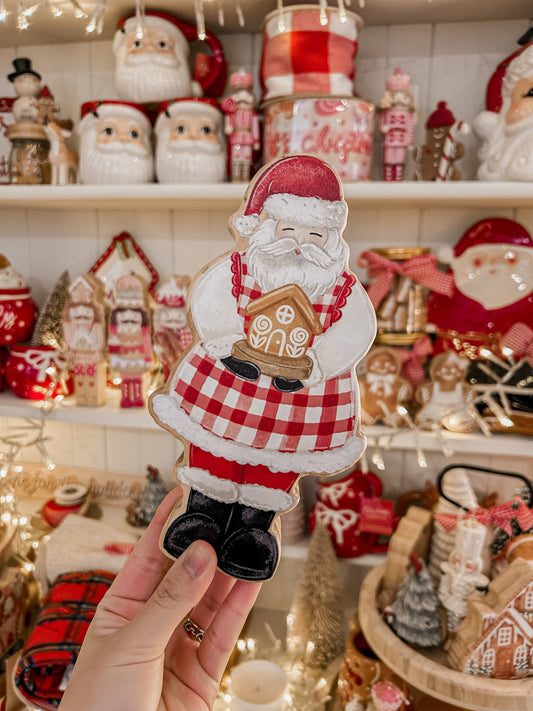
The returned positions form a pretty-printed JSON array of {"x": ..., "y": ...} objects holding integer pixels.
[
  {"x": 494, "y": 230},
  {"x": 441, "y": 117},
  {"x": 299, "y": 188},
  {"x": 493, "y": 95},
  {"x": 114, "y": 109},
  {"x": 187, "y": 106}
]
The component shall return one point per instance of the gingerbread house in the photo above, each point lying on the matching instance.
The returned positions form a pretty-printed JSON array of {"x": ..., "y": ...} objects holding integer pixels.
[
  {"x": 281, "y": 325},
  {"x": 496, "y": 637}
]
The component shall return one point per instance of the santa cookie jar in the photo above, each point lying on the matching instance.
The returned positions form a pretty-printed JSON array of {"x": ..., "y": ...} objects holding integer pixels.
[
  {"x": 506, "y": 127},
  {"x": 492, "y": 266},
  {"x": 115, "y": 143},
  {"x": 152, "y": 60},
  {"x": 18, "y": 311},
  {"x": 191, "y": 146}
]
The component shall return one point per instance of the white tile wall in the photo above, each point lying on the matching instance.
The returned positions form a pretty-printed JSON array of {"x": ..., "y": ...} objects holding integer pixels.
[{"x": 449, "y": 62}]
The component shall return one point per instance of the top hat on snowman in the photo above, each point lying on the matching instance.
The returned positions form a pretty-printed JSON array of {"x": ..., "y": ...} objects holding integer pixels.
[{"x": 22, "y": 66}]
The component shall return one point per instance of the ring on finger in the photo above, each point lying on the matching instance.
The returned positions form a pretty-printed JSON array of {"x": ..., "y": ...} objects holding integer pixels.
[{"x": 193, "y": 629}]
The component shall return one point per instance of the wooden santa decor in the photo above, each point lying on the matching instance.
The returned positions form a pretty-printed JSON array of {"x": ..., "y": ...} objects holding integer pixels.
[
  {"x": 383, "y": 389},
  {"x": 84, "y": 330},
  {"x": 259, "y": 407},
  {"x": 495, "y": 639}
]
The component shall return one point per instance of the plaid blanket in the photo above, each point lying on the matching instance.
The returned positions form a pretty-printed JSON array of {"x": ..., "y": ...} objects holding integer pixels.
[{"x": 59, "y": 631}]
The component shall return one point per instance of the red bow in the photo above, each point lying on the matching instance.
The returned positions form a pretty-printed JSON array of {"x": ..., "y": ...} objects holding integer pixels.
[
  {"x": 413, "y": 360},
  {"x": 421, "y": 269},
  {"x": 519, "y": 338},
  {"x": 499, "y": 515}
]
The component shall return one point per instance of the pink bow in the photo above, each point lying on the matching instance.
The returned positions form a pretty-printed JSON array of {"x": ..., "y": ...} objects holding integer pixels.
[
  {"x": 519, "y": 338},
  {"x": 413, "y": 360},
  {"x": 499, "y": 515},
  {"x": 421, "y": 269}
]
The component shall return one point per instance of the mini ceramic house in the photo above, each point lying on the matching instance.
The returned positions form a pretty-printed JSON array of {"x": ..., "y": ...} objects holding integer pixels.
[
  {"x": 280, "y": 328},
  {"x": 496, "y": 637}
]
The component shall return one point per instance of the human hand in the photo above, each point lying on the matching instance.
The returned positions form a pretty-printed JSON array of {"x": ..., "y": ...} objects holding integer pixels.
[{"x": 137, "y": 654}]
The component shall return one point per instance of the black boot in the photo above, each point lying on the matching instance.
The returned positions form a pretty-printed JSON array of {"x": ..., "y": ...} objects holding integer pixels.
[
  {"x": 286, "y": 385},
  {"x": 249, "y": 551},
  {"x": 204, "y": 518},
  {"x": 241, "y": 368}
]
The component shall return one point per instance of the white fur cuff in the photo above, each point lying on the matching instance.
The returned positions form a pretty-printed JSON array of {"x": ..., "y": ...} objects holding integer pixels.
[
  {"x": 265, "y": 499},
  {"x": 201, "y": 480}
]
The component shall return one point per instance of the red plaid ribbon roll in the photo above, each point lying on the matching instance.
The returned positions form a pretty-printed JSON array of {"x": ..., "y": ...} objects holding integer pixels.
[
  {"x": 422, "y": 269},
  {"x": 519, "y": 338},
  {"x": 59, "y": 631}
]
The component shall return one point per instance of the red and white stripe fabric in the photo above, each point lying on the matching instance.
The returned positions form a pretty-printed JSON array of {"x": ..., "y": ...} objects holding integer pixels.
[{"x": 306, "y": 57}]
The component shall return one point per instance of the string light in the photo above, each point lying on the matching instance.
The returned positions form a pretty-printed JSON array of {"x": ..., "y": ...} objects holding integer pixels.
[
  {"x": 281, "y": 17},
  {"x": 323, "y": 12},
  {"x": 141, "y": 20},
  {"x": 3, "y": 12},
  {"x": 200, "y": 19}
]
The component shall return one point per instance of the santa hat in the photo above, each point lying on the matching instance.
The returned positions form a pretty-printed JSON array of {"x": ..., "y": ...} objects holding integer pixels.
[
  {"x": 159, "y": 22},
  {"x": 493, "y": 96},
  {"x": 187, "y": 106},
  {"x": 299, "y": 188},
  {"x": 494, "y": 230},
  {"x": 113, "y": 109},
  {"x": 441, "y": 117}
]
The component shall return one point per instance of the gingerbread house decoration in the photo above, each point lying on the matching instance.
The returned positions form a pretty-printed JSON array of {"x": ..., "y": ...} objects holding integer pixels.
[
  {"x": 496, "y": 637},
  {"x": 281, "y": 325}
]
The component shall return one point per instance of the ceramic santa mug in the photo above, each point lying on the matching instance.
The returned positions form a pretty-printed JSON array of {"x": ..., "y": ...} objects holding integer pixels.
[
  {"x": 152, "y": 60},
  {"x": 190, "y": 142},
  {"x": 115, "y": 143},
  {"x": 18, "y": 311}
]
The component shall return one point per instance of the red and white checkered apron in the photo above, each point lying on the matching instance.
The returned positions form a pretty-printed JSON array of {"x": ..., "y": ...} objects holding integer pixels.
[
  {"x": 255, "y": 413},
  {"x": 307, "y": 57}
]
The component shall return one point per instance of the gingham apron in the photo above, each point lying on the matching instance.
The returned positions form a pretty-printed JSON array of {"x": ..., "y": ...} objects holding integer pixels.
[{"x": 255, "y": 413}]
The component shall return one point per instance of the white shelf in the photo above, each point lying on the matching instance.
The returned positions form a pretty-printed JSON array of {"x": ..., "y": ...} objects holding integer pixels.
[
  {"x": 223, "y": 196},
  {"x": 112, "y": 415}
]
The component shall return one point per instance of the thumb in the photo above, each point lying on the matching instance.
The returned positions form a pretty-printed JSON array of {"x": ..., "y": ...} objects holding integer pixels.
[{"x": 180, "y": 590}]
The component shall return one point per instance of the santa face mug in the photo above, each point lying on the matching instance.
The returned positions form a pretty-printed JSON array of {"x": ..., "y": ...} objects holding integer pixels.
[
  {"x": 115, "y": 143},
  {"x": 268, "y": 389}
]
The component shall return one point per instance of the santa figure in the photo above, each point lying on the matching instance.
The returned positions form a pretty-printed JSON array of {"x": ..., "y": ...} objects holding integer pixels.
[
  {"x": 172, "y": 335},
  {"x": 507, "y": 136},
  {"x": 396, "y": 123},
  {"x": 253, "y": 425},
  {"x": 191, "y": 146},
  {"x": 242, "y": 125},
  {"x": 129, "y": 343},
  {"x": 115, "y": 143},
  {"x": 152, "y": 60},
  {"x": 492, "y": 267}
]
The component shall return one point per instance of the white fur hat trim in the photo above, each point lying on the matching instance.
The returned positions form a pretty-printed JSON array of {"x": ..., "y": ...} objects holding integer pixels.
[
  {"x": 119, "y": 111},
  {"x": 152, "y": 22}
]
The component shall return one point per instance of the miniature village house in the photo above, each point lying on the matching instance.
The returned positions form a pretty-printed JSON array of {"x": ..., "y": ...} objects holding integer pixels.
[
  {"x": 496, "y": 637},
  {"x": 281, "y": 326}
]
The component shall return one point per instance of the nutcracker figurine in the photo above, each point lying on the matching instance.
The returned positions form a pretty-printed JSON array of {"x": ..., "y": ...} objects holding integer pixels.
[
  {"x": 396, "y": 123},
  {"x": 241, "y": 126},
  {"x": 129, "y": 345},
  {"x": 84, "y": 330}
]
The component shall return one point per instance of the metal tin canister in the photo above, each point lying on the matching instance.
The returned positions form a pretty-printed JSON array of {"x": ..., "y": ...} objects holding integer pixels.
[{"x": 338, "y": 130}]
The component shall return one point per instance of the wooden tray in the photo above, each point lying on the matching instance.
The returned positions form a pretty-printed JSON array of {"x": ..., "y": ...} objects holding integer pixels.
[{"x": 427, "y": 671}]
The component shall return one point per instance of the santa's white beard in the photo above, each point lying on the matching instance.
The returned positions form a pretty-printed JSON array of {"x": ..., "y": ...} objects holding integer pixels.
[
  {"x": 190, "y": 162},
  {"x": 507, "y": 153},
  {"x": 115, "y": 163},
  {"x": 274, "y": 263},
  {"x": 146, "y": 79}
]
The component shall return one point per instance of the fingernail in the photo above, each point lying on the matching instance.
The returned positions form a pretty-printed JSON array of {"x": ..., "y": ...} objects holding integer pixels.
[{"x": 196, "y": 559}]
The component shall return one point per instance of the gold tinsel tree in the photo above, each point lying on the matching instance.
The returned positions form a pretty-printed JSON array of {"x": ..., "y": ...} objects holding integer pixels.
[
  {"x": 49, "y": 327},
  {"x": 316, "y": 628}
]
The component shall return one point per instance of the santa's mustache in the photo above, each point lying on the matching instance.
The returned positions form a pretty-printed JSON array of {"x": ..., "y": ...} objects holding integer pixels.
[
  {"x": 163, "y": 60},
  {"x": 311, "y": 252},
  {"x": 122, "y": 147},
  {"x": 191, "y": 147}
]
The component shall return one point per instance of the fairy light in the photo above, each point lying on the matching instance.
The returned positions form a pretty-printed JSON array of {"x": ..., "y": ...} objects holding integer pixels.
[
  {"x": 323, "y": 13},
  {"x": 200, "y": 19},
  {"x": 141, "y": 21},
  {"x": 281, "y": 17},
  {"x": 3, "y": 12},
  {"x": 56, "y": 11},
  {"x": 342, "y": 11},
  {"x": 240, "y": 15}
]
